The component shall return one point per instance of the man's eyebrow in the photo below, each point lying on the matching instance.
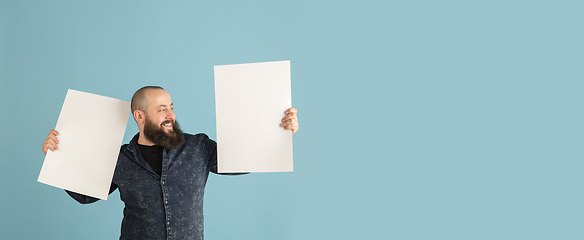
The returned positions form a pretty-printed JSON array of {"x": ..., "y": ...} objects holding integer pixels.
[{"x": 164, "y": 105}]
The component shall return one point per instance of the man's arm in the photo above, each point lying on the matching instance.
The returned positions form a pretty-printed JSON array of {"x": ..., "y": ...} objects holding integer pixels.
[{"x": 83, "y": 199}]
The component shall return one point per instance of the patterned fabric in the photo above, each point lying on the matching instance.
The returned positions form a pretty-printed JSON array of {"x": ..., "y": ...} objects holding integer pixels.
[{"x": 167, "y": 206}]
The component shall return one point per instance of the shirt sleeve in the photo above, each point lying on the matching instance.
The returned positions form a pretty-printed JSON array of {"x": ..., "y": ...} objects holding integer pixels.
[{"x": 83, "y": 199}]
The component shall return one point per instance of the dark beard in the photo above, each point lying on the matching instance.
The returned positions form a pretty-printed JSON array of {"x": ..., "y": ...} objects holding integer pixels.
[{"x": 159, "y": 137}]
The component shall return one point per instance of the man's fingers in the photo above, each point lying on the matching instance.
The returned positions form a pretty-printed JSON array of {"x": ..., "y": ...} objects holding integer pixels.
[
  {"x": 53, "y": 135},
  {"x": 53, "y": 138},
  {"x": 293, "y": 127},
  {"x": 289, "y": 116},
  {"x": 291, "y": 110},
  {"x": 289, "y": 125},
  {"x": 49, "y": 146},
  {"x": 290, "y": 121},
  {"x": 51, "y": 142}
]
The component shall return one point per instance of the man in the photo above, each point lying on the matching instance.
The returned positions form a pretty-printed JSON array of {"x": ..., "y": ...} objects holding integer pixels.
[{"x": 161, "y": 174}]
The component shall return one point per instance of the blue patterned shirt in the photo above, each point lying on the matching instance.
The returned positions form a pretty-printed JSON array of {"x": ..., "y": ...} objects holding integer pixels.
[{"x": 167, "y": 206}]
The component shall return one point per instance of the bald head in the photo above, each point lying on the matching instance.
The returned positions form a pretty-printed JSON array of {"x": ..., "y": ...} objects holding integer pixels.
[
  {"x": 140, "y": 101},
  {"x": 153, "y": 111}
]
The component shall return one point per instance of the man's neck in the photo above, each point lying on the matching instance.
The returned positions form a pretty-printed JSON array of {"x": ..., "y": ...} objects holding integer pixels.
[{"x": 142, "y": 140}]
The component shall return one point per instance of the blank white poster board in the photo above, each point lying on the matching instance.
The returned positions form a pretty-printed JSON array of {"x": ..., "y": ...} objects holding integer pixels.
[
  {"x": 250, "y": 101},
  {"x": 91, "y": 130}
]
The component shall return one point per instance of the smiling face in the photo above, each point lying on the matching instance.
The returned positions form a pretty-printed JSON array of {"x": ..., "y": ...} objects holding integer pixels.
[
  {"x": 160, "y": 109},
  {"x": 158, "y": 123}
]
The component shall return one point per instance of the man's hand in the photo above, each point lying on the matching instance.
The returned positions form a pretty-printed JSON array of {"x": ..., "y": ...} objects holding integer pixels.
[
  {"x": 51, "y": 142},
  {"x": 290, "y": 121}
]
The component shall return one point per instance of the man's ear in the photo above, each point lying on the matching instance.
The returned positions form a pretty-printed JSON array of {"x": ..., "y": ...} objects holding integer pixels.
[{"x": 139, "y": 116}]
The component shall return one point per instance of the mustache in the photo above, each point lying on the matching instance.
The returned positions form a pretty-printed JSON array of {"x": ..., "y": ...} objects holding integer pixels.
[{"x": 168, "y": 121}]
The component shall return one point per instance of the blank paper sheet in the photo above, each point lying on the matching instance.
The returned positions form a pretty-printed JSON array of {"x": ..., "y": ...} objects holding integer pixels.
[
  {"x": 91, "y": 130},
  {"x": 250, "y": 101}
]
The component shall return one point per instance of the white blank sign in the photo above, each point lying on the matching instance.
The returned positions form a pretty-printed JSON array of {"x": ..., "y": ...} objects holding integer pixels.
[
  {"x": 91, "y": 130},
  {"x": 250, "y": 102}
]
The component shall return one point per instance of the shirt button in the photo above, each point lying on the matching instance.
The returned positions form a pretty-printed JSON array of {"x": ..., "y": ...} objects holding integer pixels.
[{"x": 166, "y": 202}]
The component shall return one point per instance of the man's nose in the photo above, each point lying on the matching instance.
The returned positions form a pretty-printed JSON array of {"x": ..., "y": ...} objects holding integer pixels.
[{"x": 170, "y": 114}]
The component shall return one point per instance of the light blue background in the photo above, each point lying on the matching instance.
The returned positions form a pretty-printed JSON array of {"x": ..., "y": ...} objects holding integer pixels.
[{"x": 418, "y": 119}]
